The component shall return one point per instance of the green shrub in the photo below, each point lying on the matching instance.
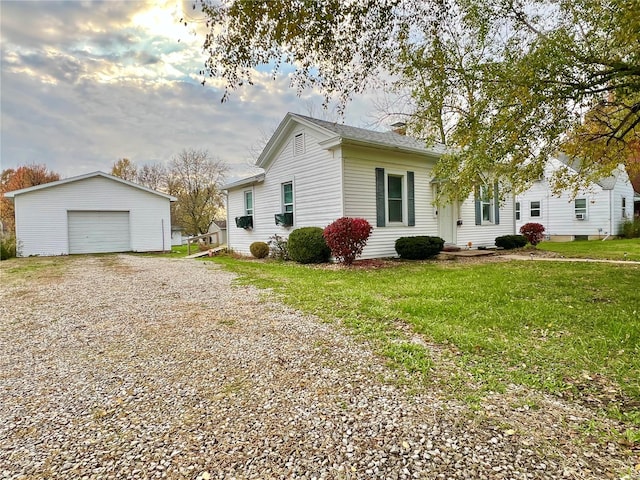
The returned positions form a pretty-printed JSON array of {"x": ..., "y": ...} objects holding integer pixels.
[
  {"x": 259, "y": 249},
  {"x": 419, "y": 248},
  {"x": 307, "y": 245},
  {"x": 8, "y": 247},
  {"x": 631, "y": 228},
  {"x": 509, "y": 242}
]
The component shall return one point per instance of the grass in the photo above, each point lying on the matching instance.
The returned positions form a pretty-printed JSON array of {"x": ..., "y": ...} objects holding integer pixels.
[
  {"x": 609, "y": 249},
  {"x": 33, "y": 268},
  {"x": 177, "y": 251},
  {"x": 567, "y": 329}
]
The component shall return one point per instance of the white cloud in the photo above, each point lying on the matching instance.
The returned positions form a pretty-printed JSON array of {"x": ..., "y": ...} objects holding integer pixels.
[{"x": 88, "y": 83}]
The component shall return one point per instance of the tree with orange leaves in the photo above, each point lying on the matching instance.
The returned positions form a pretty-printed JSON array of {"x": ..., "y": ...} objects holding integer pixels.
[{"x": 16, "y": 179}]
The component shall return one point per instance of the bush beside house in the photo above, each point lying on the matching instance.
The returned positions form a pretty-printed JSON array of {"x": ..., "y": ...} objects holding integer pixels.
[
  {"x": 347, "y": 237},
  {"x": 419, "y": 247},
  {"x": 509, "y": 242},
  {"x": 533, "y": 232},
  {"x": 259, "y": 249},
  {"x": 307, "y": 245}
]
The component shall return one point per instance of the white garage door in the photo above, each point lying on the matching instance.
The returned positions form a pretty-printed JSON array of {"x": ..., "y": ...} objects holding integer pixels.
[{"x": 98, "y": 232}]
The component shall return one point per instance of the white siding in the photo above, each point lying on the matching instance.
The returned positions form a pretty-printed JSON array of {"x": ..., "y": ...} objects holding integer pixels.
[
  {"x": 316, "y": 178},
  {"x": 604, "y": 209},
  {"x": 360, "y": 196},
  {"x": 623, "y": 188},
  {"x": 41, "y": 215},
  {"x": 484, "y": 235}
]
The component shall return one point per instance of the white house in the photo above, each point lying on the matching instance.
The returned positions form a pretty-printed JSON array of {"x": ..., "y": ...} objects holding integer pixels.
[
  {"x": 596, "y": 212},
  {"x": 91, "y": 213},
  {"x": 317, "y": 171}
]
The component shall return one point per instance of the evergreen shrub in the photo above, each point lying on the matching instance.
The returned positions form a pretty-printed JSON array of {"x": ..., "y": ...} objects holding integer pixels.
[
  {"x": 307, "y": 245},
  {"x": 259, "y": 249},
  {"x": 509, "y": 242},
  {"x": 419, "y": 248}
]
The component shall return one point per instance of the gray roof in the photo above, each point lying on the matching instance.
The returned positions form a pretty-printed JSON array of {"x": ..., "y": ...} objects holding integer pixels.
[
  {"x": 607, "y": 183},
  {"x": 83, "y": 177},
  {"x": 244, "y": 182},
  {"x": 389, "y": 139}
]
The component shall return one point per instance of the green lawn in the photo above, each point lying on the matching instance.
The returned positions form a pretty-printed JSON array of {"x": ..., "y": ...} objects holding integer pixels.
[
  {"x": 569, "y": 329},
  {"x": 609, "y": 249}
]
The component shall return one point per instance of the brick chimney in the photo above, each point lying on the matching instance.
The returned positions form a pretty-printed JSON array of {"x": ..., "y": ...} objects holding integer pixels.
[{"x": 399, "y": 127}]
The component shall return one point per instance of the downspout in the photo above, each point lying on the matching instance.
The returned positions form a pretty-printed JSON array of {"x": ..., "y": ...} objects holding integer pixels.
[
  {"x": 610, "y": 232},
  {"x": 514, "y": 213},
  {"x": 611, "y": 213}
]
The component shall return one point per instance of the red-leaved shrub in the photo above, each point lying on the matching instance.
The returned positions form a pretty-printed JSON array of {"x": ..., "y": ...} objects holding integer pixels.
[
  {"x": 347, "y": 237},
  {"x": 533, "y": 232}
]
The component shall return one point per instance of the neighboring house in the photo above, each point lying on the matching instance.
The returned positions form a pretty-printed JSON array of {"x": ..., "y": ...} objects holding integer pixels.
[
  {"x": 92, "y": 213},
  {"x": 176, "y": 236},
  {"x": 596, "y": 212},
  {"x": 219, "y": 227},
  {"x": 635, "y": 181},
  {"x": 316, "y": 172}
]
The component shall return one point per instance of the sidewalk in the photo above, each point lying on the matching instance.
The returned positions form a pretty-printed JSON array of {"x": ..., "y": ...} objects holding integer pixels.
[{"x": 563, "y": 259}]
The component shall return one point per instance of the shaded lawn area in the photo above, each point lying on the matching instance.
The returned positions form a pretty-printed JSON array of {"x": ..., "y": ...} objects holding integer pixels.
[
  {"x": 609, "y": 249},
  {"x": 568, "y": 329}
]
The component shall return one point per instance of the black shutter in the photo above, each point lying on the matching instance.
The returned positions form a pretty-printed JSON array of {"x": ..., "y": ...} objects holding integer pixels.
[
  {"x": 411, "y": 203},
  {"x": 380, "y": 210},
  {"x": 496, "y": 204},
  {"x": 478, "y": 206}
]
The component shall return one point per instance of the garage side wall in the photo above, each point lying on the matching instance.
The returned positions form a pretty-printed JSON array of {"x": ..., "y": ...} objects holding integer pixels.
[{"x": 41, "y": 215}]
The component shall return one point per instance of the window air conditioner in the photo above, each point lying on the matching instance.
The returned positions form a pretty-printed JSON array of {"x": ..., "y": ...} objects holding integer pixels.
[{"x": 581, "y": 216}]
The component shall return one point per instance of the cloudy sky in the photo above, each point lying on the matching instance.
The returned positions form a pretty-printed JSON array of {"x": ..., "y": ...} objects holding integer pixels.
[{"x": 86, "y": 83}]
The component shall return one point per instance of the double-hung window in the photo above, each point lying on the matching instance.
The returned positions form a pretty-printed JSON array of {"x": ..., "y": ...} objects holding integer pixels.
[
  {"x": 394, "y": 198},
  {"x": 536, "y": 210},
  {"x": 287, "y": 197},
  {"x": 580, "y": 208},
  {"x": 486, "y": 206},
  {"x": 517, "y": 210},
  {"x": 624, "y": 207},
  {"x": 248, "y": 202}
]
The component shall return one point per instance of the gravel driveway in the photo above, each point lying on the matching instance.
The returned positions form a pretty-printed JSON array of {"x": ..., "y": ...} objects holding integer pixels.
[{"x": 144, "y": 367}]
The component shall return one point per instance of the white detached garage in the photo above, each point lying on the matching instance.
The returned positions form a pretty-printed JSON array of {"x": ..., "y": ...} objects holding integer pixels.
[{"x": 92, "y": 213}]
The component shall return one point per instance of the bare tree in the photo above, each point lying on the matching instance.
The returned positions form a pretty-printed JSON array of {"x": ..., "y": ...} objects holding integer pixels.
[
  {"x": 153, "y": 176},
  {"x": 195, "y": 179}
]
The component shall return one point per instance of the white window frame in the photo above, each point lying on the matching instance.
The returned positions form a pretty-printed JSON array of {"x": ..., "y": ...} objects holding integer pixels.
[
  {"x": 624, "y": 207},
  {"x": 517, "y": 211},
  {"x": 538, "y": 209},
  {"x": 580, "y": 211},
  {"x": 486, "y": 201},
  {"x": 248, "y": 211},
  {"x": 286, "y": 205},
  {"x": 403, "y": 185}
]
